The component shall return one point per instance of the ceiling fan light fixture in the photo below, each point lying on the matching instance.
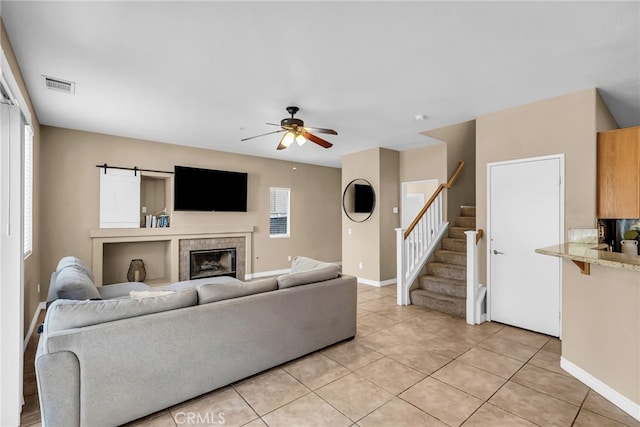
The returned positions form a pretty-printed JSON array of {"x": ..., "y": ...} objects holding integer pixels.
[
  {"x": 288, "y": 139},
  {"x": 294, "y": 130}
]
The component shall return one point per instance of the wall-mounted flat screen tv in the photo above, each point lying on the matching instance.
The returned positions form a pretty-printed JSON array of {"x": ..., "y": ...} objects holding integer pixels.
[
  {"x": 363, "y": 198},
  {"x": 209, "y": 190}
]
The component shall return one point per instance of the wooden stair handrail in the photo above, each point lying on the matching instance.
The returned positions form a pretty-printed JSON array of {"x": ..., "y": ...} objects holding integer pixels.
[
  {"x": 479, "y": 235},
  {"x": 441, "y": 187}
]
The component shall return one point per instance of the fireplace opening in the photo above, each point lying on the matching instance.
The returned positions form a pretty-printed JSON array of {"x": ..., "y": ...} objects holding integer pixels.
[{"x": 212, "y": 263}]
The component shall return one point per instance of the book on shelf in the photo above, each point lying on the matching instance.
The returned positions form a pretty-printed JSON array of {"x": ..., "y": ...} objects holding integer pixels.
[{"x": 153, "y": 221}]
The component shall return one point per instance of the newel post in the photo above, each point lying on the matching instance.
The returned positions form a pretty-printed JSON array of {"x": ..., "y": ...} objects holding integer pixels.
[
  {"x": 472, "y": 276},
  {"x": 402, "y": 293}
]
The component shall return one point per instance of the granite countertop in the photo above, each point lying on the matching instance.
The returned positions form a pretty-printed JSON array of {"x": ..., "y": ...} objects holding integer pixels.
[{"x": 592, "y": 253}]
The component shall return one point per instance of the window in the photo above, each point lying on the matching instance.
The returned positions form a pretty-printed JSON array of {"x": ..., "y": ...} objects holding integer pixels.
[
  {"x": 28, "y": 191},
  {"x": 279, "y": 216}
]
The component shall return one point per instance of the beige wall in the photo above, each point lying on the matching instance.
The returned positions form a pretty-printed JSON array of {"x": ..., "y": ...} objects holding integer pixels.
[
  {"x": 372, "y": 242},
  {"x": 461, "y": 145},
  {"x": 604, "y": 119},
  {"x": 600, "y": 326},
  {"x": 423, "y": 163},
  {"x": 361, "y": 240},
  {"x": 70, "y": 196},
  {"x": 389, "y": 221},
  {"x": 32, "y": 298}
]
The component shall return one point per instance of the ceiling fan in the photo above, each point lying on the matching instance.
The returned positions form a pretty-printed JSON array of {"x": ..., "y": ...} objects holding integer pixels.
[{"x": 295, "y": 130}]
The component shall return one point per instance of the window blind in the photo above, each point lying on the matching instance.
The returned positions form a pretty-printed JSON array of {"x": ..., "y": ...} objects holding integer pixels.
[{"x": 279, "y": 217}]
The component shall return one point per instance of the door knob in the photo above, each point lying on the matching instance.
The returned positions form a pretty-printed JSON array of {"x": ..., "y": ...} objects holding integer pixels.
[{"x": 497, "y": 252}]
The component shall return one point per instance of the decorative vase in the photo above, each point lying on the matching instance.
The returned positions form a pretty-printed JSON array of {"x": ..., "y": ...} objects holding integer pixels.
[
  {"x": 136, "y": 272},
  {"x": 630, "y": 247}
]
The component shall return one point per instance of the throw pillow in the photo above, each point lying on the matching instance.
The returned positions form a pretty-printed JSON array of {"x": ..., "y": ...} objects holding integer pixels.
[
  {"x": 301, "y": 263},
  {"x": 307, "y": 270},
  {"x": 77, "y": 263},
  {"x": 73, "y": 282}
]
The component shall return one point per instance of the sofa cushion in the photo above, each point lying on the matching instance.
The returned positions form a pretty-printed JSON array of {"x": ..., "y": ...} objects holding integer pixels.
[
  {"x": 193, "y": 284},
  {"x": 121, "y": 290},
  {"x": 68, "y": 314},
  {"x": 307, "y": 270},
  {"x": 149, "y": 294},
  {"x": 212, "y": 292},
  {"x": 72, "y": 281}
]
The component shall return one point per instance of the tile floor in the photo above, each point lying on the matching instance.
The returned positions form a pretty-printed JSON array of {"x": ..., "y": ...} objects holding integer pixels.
[{"x": 408, "y": 366}]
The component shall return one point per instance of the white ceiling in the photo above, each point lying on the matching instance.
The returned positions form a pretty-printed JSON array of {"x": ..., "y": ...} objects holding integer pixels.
[{"x": 206, "y": 74}]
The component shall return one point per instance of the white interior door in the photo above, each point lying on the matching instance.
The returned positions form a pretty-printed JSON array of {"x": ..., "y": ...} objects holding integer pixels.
[{"x": 525, "y": 213}]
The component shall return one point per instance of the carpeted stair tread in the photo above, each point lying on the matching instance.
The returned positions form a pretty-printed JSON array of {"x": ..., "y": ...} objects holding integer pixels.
[
  {"x": 443, "y": 285},
  {"x": 458, "y": 232},
  {"x": 465, "y": 221},
  {"x": 458, "y": 245},
  {"x": 468, "y": 211},
  {"x": 450, "y": 257},
  {"x": 443, "y": 303},
  {"x": 450, "y": 271}
]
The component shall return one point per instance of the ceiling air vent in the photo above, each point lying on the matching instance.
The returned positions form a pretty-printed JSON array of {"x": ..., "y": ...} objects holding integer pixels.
[{"x": 60, "y": 85}]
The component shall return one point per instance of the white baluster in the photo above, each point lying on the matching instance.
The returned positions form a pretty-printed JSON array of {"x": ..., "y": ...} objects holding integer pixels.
[{"x": 401, "y": 290}]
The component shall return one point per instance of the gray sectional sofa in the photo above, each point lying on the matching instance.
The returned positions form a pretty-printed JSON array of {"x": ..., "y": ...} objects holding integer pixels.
[{"x": 135, "y": 351}]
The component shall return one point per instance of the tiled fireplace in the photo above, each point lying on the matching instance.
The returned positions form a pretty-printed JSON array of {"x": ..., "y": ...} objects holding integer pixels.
[
  {"x": 212, "y": 263},
  {"x": 189, "y": 246}
]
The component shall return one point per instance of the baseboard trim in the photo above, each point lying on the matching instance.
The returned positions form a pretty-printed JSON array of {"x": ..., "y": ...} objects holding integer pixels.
[
  {"x": 33, "y": 325},
  {"x": 377, "y": 283},
  {"x": 622, "y": 402}
]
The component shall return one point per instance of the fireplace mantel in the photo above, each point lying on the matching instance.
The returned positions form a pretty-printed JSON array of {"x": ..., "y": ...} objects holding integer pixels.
[
  {"x": 169, "y": 231},
  {"x": 130, "y": 240}
]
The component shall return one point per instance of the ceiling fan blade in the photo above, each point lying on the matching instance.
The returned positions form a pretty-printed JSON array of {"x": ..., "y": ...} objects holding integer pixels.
[
  {"x": 321, "y": 142},
  {"x": 272, "y": 124},
  {"x": 258, "y": 136},
  {"x": 321, "y": 130}
]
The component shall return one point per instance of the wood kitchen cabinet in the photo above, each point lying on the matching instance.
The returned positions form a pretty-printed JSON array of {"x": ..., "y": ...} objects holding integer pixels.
[{"x": 618, "y": 173}]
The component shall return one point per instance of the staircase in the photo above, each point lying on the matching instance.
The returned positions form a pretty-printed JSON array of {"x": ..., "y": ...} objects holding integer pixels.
[{"x": 444, "y": 287}]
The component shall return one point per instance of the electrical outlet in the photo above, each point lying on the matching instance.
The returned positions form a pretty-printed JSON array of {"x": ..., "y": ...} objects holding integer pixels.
[
  {"x": 38, "y": 287},
  {"x": 349, "y": 230},
  {"x": 360, "y": 265},
  {"x": 289, "y": 258},
  {"x": 144, "y": 209}
]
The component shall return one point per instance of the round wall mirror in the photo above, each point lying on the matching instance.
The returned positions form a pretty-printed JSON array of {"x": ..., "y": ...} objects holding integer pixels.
[{"x": 358, "y": 200}]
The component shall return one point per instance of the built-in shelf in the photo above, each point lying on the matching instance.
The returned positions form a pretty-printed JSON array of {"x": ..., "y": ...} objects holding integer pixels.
[{"x": 160, "y": 246}]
